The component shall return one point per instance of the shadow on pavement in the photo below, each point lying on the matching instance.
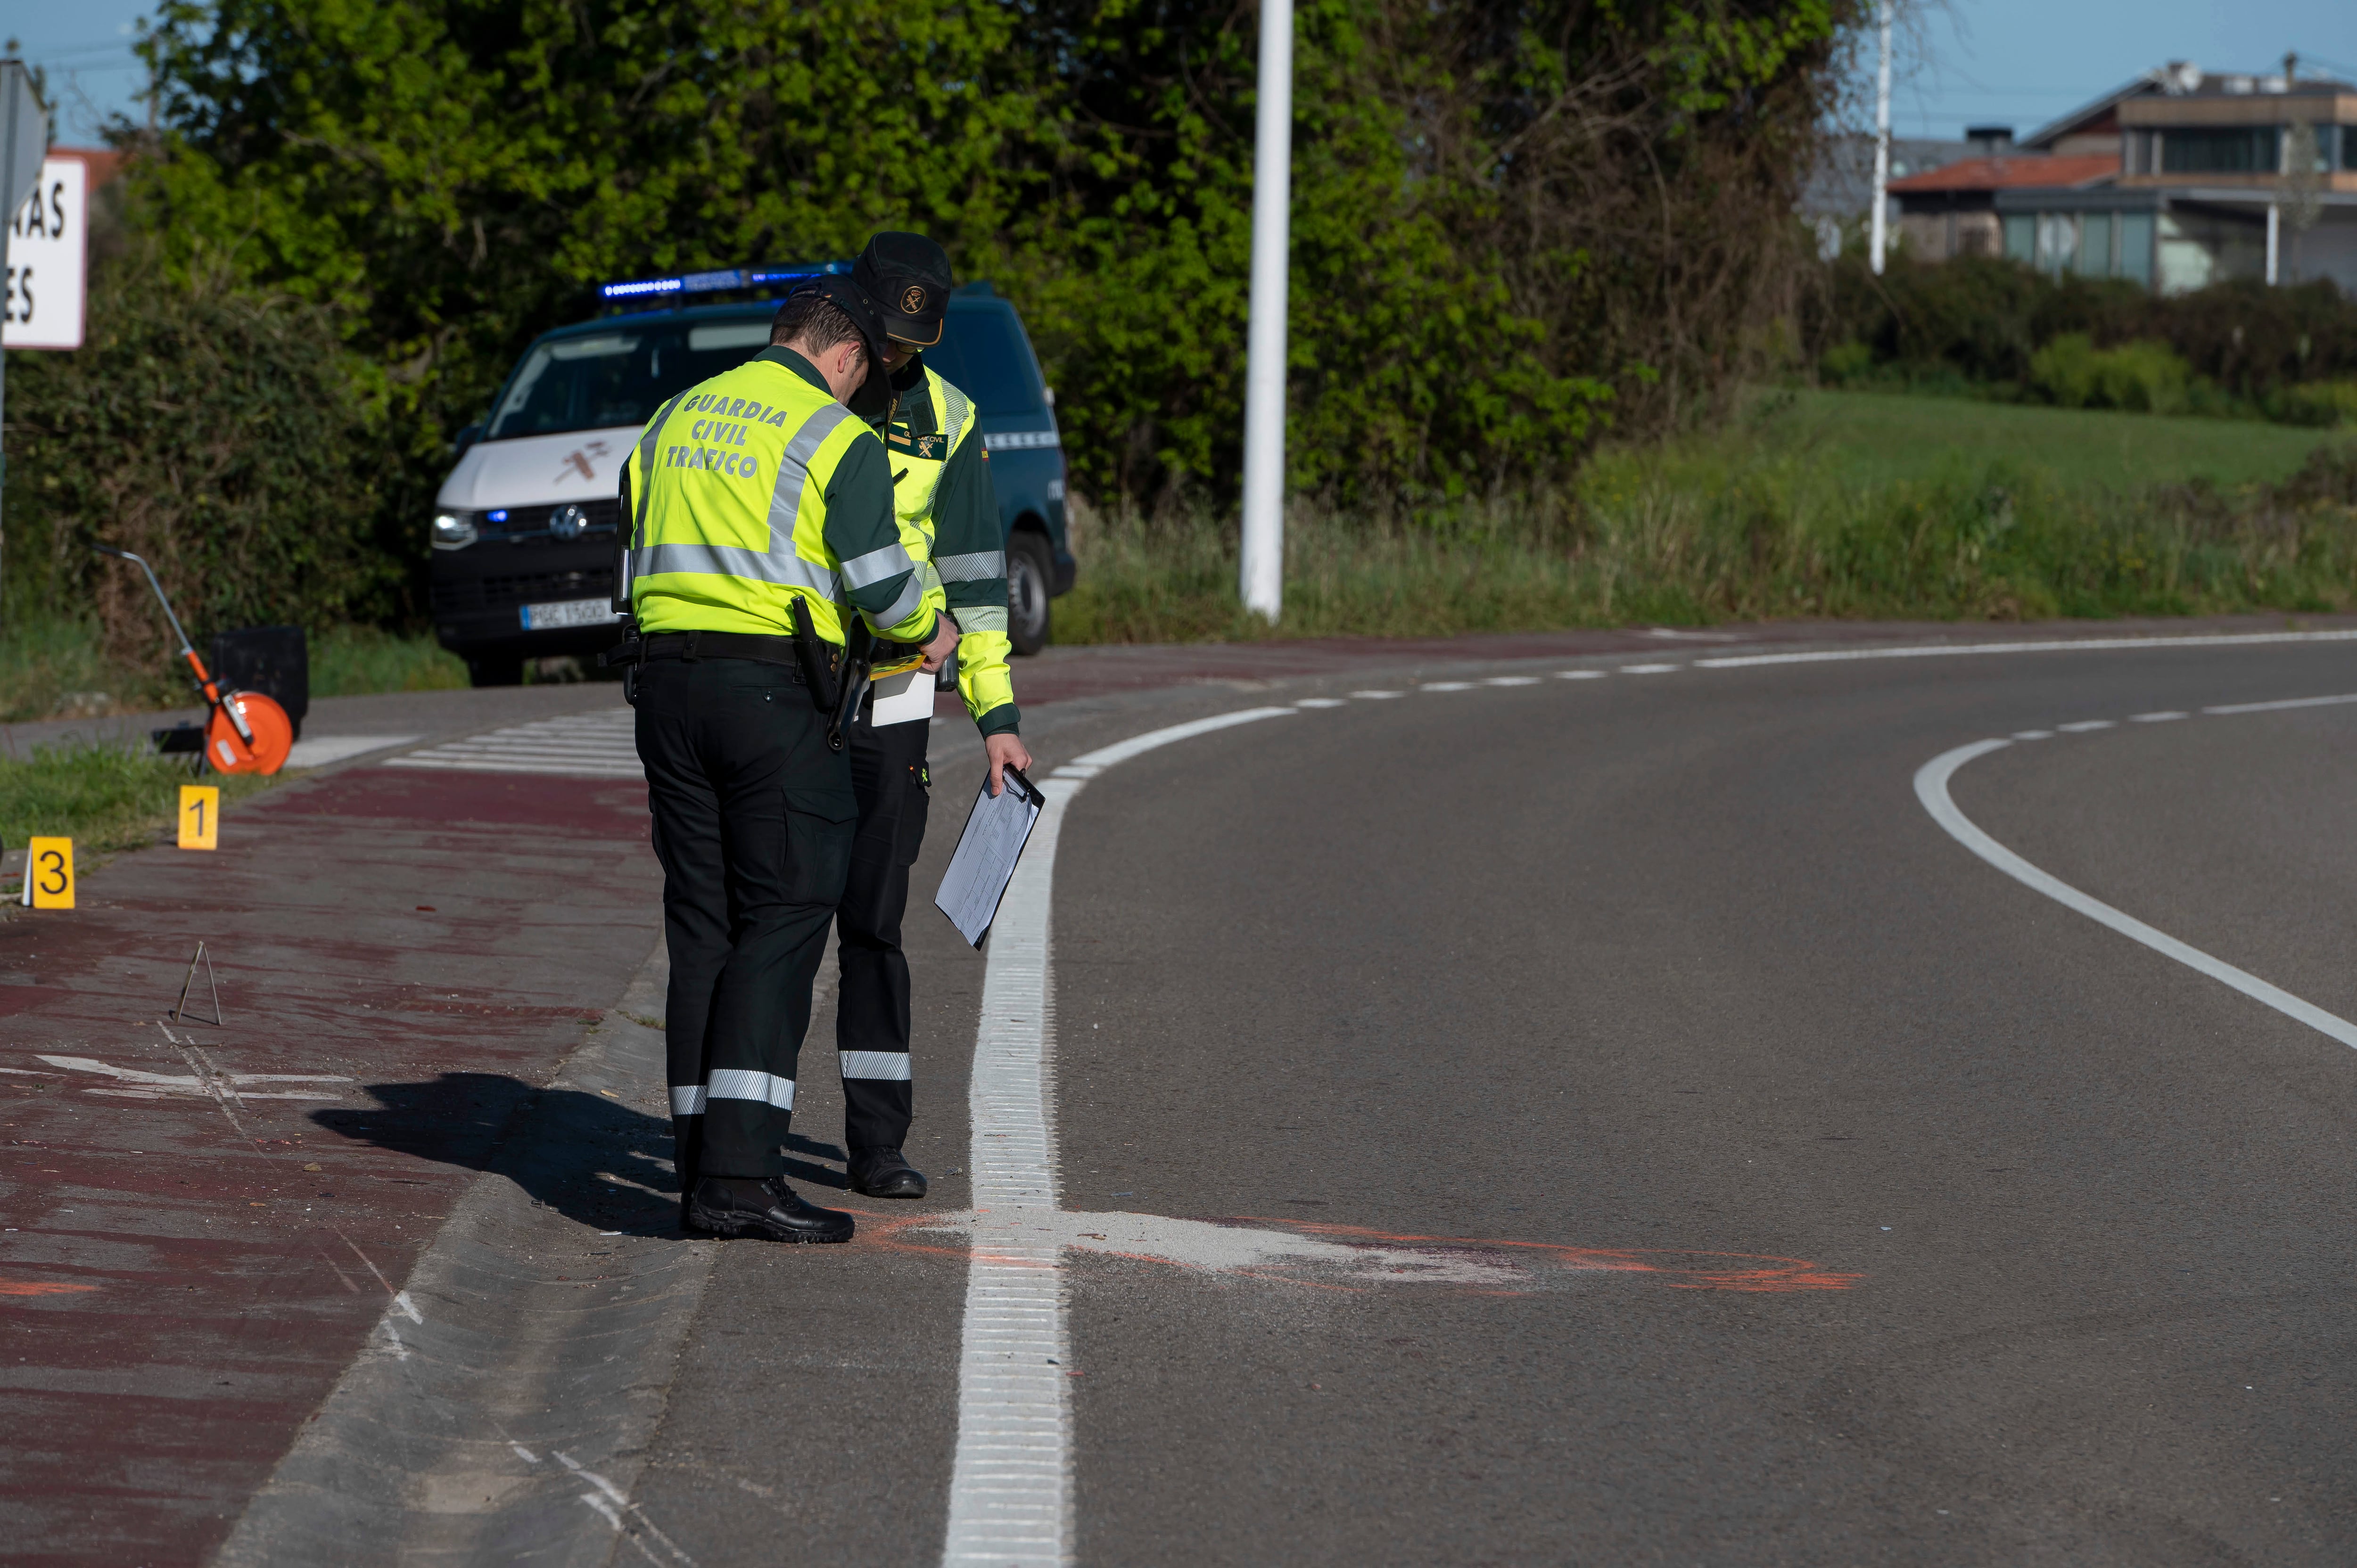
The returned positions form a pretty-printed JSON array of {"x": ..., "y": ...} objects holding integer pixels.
[{"x": 592, "y": 1159}]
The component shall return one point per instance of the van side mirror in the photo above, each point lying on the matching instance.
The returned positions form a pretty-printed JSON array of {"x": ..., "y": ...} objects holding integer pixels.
[
  {"x": 467, "y": 438},
  {"x": 1051, "y": 397}
]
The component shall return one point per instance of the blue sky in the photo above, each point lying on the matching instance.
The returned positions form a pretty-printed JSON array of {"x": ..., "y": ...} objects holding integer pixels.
[{"x": 1997, "y": 62}]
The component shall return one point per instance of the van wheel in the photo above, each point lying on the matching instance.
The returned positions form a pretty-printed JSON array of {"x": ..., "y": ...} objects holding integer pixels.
[
  {"x": 1029, "y": 570},
  {"x": 496, "y": 670}
]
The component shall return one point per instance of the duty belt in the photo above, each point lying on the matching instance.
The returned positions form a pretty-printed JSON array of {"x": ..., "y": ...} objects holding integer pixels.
[{"x": 697, "y": 645}]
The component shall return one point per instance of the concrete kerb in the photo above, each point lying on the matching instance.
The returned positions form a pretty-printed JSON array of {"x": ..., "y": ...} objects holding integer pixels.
[{"x": 503, "y": 1404}]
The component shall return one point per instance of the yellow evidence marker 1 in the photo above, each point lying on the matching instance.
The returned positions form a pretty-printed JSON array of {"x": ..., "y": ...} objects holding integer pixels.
[
  {"x": 199, "y": 816},
  {"x": 49, "y": 864}
]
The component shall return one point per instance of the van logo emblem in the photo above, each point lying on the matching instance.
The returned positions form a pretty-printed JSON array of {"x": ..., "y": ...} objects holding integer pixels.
[
  {"x": 568, "y": 521},
  {"x": 912, "y": 302}
]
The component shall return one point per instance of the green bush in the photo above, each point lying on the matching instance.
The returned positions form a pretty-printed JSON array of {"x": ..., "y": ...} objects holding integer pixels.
[
  {"x": 1845, "y": 363},
  {"x": 2321, "y": 404},
  {"x": 1988, "y": 319},
  {"x": 2143, "y": 377},
  {"x": 213, "y": 429},
  {"x": 1509, "y": 228}
]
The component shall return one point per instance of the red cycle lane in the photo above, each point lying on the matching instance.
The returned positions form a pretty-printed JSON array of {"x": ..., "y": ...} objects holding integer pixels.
[{"x": 207, "y": 1223}]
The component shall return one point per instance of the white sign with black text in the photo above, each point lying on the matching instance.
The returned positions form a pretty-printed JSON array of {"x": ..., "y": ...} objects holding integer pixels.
[{"x": 48, "y": 245}]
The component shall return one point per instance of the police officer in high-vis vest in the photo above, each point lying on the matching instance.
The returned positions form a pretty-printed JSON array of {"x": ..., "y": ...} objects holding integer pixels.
[
  {"x": 949, "y": 524},
  {"x": 756, "y": 502}
]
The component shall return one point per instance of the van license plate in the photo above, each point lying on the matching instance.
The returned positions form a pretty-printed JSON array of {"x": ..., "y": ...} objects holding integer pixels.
[{"x": 571, "y": 612}]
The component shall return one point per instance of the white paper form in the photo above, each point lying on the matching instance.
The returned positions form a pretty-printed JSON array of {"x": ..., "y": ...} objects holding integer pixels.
[
  {"x": 996, "y": 831},
  {"x": 901, "y": 699}
]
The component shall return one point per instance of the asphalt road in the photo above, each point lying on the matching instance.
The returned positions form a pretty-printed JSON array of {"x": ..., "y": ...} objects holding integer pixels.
[
  {"x": 1817, "y": 1194},
  {"x": 1632, "y": 1129}
]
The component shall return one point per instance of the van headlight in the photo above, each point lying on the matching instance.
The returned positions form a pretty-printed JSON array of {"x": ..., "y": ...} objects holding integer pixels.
[{"x": 452, "y": 530}]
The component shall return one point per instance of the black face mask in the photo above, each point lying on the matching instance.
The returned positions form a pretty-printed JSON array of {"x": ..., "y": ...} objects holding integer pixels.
[{"x": 873, "y": 399}]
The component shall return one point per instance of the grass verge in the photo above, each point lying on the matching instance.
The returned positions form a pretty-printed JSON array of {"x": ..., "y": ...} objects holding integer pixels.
[
  {"x": 1813, "y": 505},
  {"x": 106, "y": 798},
  {"x": 53, "y": 665}
]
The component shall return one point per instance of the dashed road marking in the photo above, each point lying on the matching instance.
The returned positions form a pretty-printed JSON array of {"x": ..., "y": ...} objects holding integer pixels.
[
  {"x": 1378, "y": 697},
  {"x": 1445, "y": 686},
  {"x": 2083, "y": 725},
  {"x": 1649, "y": 669}
]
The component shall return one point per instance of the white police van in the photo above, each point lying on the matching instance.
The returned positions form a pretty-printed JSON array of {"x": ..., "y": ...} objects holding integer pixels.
[{"x": 523, "y": 528}]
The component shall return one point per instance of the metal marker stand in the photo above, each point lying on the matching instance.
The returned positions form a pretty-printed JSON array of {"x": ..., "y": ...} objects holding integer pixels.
[{"x": 180, "y": 1008}]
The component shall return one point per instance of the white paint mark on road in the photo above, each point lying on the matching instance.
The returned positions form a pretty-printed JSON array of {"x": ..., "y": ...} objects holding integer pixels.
[
  {"x": 407, "y": 1308},
  {"x": 2278, "y": 707},
  {"x": 1649, "y": 669},
  {"x": 1445, "y": 686},
  {"x": 2059, "y": 645},
  {"x": 1512, "y": 681},
  {"x": 2033, "y": 735},
  {"x": 1932, "y": 788},
  {"x": 1579, "y": 674},
  {"x": 1010, "y": 1482},
  {"x": 1323, "y": 702},
  {"x": 1378, "y": 697},
  {"x": 600, "y": 744},
  {"x": 2083, "y": 725},
  {"x": 319, "y": 750},
  {"x": 2158, "y": 718}
]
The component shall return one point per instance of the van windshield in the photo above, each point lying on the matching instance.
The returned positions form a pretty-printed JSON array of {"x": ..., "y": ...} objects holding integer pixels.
[{"x": 618, "y": 378}]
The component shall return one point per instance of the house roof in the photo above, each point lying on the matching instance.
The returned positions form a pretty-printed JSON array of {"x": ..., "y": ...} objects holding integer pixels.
[
  {"x": 2095, "y": 109},
  {"x": 2004, "y": 174}
]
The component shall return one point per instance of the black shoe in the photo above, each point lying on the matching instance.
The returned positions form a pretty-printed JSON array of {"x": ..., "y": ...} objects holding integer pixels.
[
  {"x": 883, "y": 1173},
  {"x": 726, "y": 1207}
]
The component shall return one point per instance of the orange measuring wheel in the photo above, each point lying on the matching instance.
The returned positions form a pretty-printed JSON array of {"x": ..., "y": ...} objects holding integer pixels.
[{"x": 226, "y": 751}]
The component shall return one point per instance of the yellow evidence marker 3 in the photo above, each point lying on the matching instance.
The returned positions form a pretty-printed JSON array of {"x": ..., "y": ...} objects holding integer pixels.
[
  {"x": 199, "y": 816},
  {"x": 49, "y": 871}
]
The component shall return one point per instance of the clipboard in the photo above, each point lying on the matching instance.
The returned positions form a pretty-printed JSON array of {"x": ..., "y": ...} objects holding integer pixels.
[{"x": 997, "y": 828}]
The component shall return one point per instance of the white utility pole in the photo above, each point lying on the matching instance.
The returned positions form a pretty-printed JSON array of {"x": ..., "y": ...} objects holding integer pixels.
[
  {"x": 2275, "y": 242},
  {"x": 1881, "y": 141},
  {"x": 1261, "y": 576}
]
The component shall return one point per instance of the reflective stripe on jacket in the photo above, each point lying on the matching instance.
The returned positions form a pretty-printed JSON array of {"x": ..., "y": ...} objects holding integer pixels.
[
  {"x": 730, "y": 485},
  {"x": 962, "y": 552}
]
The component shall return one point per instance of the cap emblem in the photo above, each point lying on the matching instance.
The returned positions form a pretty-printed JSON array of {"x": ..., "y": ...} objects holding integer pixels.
[{"x": 912, "y": 302}]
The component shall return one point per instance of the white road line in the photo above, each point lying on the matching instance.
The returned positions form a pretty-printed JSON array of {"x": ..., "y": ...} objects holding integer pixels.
[
  {"x": 1579, "y": 674},
  {"x": 1445, "y": 686},
  {"x": 1011, "y": 1481},
  {"x": 2069, "y": 645},
  {"x": 1650, "y": 669},
  {"x": 578, "y": 746},
  {"x": 1323, "y": 702},
  {"x": 1378, "y": 697},
  {"x": 2286, "y": 702},
  {"x": 2083, "y": 725},
  {"x": 1512, "y": 681},
  {"x": 2160, "y": 718},
  {"x": 1932, "y": 788},
  {"x": 322, "y": 749}
]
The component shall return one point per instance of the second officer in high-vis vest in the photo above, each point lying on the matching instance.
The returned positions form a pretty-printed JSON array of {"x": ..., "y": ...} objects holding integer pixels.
[
  {"x": 949, "y": 524},
  {"x": 753, "y": 501}
]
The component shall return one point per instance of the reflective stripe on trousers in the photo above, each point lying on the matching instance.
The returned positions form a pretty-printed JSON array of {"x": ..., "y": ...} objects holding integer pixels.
[{"x": 732, "y": 1083}]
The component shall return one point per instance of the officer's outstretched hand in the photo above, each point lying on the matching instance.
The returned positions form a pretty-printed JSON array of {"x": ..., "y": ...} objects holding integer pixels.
[
  {"x": 1005, "y": 751},
  {"x": 944, "y": 643}
]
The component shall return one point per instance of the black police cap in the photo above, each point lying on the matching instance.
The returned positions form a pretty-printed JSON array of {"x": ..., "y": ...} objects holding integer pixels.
[{"x": 907, "y": 276}]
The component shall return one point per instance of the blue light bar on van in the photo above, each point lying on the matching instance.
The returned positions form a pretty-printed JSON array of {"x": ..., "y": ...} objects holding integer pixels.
[{"x": 716, "y": 282}]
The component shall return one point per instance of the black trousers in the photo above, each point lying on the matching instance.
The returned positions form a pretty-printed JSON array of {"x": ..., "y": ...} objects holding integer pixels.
[
  {"x": 753, "y": 822},
  {"x": 871, "y": 1027}
]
